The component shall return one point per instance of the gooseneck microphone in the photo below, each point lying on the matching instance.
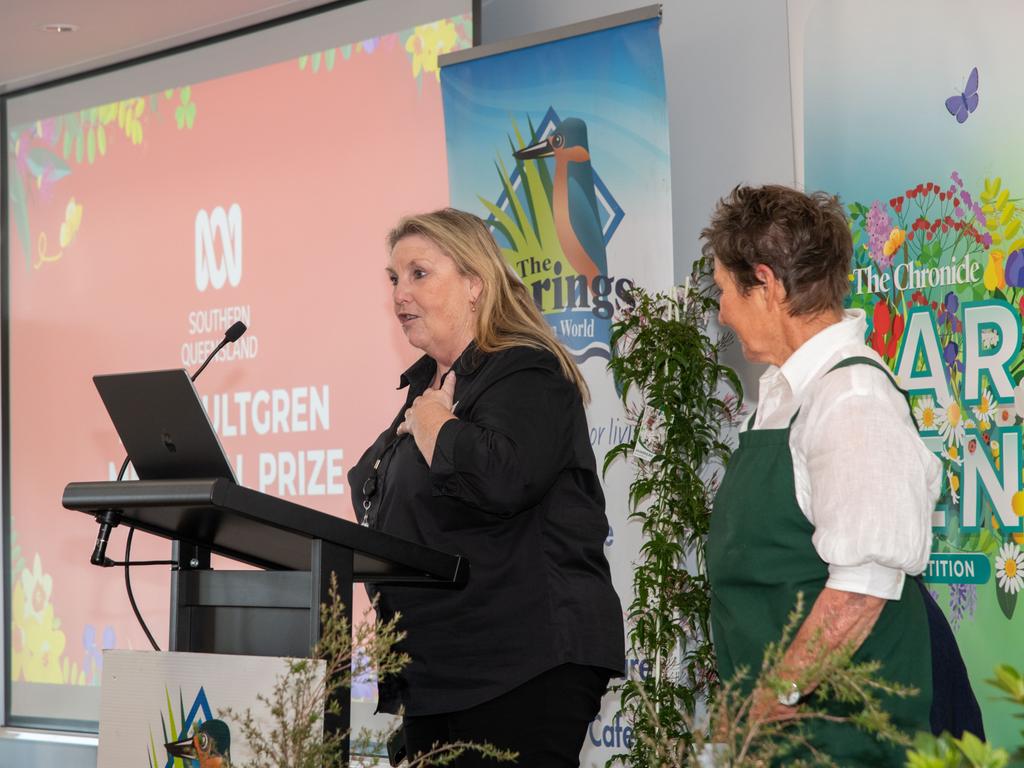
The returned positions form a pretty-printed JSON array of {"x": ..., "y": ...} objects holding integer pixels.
[
  {"x": 109, "y": 519},
  {"x": 231, "y": 335}
]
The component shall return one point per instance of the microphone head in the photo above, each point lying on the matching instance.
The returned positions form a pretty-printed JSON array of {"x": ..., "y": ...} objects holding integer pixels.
[{"x": 234, "y": 333}]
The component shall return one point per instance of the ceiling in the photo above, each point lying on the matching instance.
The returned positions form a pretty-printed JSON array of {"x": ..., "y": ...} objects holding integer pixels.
[{"x": 112, "y": 31}]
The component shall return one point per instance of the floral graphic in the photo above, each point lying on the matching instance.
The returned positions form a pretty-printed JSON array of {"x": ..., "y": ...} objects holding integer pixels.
[
  {"x": 921, "y": 260},
  {"x": 326, "y": 60},
  {"x": 37, "y": 643},
  {"x": 315, "y": 60},
  {"x": 953, "y": 483},
  {"x": 1010, "y": 568},
  {"x": 879, "y": 227},
  {"x": 37, "y": 640},
  {"x": 46, "y": 151},
  {"x": 888, "y": 329},
  {"x": 36, "y": 588},
  {"x": 429, "y": 41},
  {"x": 68, "y": 230},
  {"x": 985, "y": 411},
  {"x": 92, "y": 666},
  {"x": 37, "y": 652},
  {"x": 185, "y": 114},
  {"x": 72, "y": 221},
  {"x": 423, "y": 44},
  {"x": 963, "y": 599},
  {"x": 951, "y": 422}
]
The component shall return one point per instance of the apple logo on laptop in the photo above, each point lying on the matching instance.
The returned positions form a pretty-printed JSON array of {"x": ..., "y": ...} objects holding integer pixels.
[{"x": 169, "y": 443}]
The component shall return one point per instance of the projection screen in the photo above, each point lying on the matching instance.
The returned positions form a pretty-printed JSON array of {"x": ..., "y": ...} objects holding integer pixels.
[{"x": 151, "y": 207}]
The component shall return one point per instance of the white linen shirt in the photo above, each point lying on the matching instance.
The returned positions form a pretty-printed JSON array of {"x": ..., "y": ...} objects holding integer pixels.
[{"x": 864, "y": 478}]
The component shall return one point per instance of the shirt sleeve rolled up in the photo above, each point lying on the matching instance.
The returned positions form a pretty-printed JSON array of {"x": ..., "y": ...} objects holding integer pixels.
[{"x": 871, "y": 485}]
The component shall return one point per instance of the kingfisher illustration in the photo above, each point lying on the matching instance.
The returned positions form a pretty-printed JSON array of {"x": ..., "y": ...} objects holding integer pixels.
[
  {"x": 573, "y": 200},
  {"x": 210, "y": 745}
]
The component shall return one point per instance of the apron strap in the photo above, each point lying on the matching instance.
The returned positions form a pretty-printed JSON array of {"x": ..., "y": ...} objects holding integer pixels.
[
  {"x": 750, "y": 421},
  {"x": 862, "y": 360},
  {"x": 846, "y": 363}
]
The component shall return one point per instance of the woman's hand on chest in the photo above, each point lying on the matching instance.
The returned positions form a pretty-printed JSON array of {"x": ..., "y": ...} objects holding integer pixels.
[{"x": 426, "y": 415}]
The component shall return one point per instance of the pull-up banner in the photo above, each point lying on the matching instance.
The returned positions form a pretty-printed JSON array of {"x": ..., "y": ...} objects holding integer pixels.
[
  {"x": 914, "y": 139},
  {"x": 561, "y": 144}
]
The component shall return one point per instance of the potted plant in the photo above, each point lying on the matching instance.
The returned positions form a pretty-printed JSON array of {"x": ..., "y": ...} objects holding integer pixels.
[{"x": 683, "y": 401}]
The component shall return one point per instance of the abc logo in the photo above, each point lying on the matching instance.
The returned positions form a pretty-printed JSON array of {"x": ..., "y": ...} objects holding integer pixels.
[{"x": 215, "y": 267}]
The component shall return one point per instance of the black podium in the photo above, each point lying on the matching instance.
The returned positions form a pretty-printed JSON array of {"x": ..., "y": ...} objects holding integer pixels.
[{"x": 273, "y": 611}]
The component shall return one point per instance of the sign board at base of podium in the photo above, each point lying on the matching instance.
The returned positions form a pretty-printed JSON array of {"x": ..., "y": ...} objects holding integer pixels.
[{"x": 166, "y": 710}]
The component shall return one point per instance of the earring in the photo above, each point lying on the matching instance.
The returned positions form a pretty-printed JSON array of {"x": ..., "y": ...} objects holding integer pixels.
[{"x": 472, "y": 306}]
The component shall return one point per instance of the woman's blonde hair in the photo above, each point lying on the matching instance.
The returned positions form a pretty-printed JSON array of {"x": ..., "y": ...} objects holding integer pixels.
[{"x": 506, "y": 315}]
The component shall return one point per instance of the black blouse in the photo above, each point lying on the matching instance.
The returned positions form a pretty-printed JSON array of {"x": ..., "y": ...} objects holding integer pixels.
[{"x": 513, "y": 487}]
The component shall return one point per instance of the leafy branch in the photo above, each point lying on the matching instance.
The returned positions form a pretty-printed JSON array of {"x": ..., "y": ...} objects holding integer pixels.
[
  {"x": 738, "y": 740},
  {"x": 310, "y": 687},
  {"x": 666, "y": 359}
]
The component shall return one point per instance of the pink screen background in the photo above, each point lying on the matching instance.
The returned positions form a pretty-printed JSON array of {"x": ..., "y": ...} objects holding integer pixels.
[{"x": 321, "y": 164}]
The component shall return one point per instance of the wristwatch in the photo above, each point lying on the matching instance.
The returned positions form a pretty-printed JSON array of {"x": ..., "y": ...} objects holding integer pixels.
[{"x": 790, "y": 695}]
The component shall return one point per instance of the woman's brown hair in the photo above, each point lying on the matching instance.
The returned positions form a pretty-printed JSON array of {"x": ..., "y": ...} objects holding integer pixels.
[{"x": 803, "y": 238}]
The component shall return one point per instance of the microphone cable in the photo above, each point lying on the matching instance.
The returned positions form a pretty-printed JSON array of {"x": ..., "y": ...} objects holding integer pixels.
[
  {"x": 128, "y": 585},
  {"x": 127, "y": 571}
]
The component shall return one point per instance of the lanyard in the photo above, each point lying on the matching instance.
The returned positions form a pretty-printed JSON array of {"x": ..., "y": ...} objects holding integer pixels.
[{"x": 375, "y": 479}]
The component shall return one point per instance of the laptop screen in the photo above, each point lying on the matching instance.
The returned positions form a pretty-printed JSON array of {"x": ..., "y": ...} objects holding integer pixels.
[{"x": 163, "y": 425}]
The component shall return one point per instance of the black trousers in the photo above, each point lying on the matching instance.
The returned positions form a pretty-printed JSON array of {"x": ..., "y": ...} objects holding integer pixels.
[
  {"x": 954, "y": 707},
  {"x": 545, "y": 720}
]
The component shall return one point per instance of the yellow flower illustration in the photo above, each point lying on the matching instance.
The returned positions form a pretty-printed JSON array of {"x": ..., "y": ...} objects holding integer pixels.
[
  {"x": 925, "y": 414},
  {"x": 1001, "y": 215},
  {"x": 36, "y": 588},
  {"x": 895, "y": 241},
  {"x": 429, "y": 41},
  {"x": 950, "y": 422},
  {"x": 985, "y": 412},
  {"x": 37, "y": 645},
  {"x": 995, "y": 276},
  {"x": 1009, "y": 565},
  {"x": 991, "y": 188},
  {"x": 72, "y": 221},
  {"x": 1018, "y": 503}
]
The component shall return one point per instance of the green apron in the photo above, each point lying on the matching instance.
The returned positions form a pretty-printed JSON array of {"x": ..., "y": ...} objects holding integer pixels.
[{"x": 760, "y": 555}]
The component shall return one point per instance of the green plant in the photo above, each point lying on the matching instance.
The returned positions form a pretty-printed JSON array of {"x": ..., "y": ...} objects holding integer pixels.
[
  {"x": 295, "y": 737},
  {"x": 1011, "y": 682},
  {"x": 945, "y": 751},
  {"x": 667, "y": 360}
]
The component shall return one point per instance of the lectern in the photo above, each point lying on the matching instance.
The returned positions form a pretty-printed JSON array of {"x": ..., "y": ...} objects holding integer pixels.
[{"x": 275, "y": 610}]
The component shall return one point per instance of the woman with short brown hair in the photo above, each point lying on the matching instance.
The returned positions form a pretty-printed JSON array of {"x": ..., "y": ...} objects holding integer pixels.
[{"x": 831, "y": 491}]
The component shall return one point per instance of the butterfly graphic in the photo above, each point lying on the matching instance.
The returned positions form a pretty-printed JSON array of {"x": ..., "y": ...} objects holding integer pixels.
[{"x": 961, "y": 106}]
